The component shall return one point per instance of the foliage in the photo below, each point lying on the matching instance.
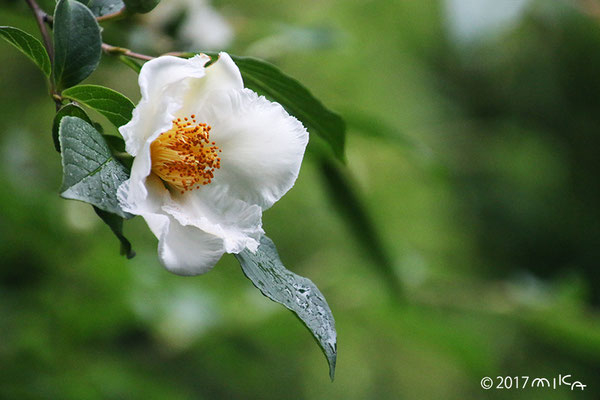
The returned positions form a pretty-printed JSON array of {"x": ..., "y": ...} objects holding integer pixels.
[
  {"x": 77, "y": 43},
  {"x": 29, "y": 45},
  {"x": 491, "y": 229},
  {"x": 91, "y": 171}
]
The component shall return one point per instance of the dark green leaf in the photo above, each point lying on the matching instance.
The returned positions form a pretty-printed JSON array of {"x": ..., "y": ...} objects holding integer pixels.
[
  {"x": 141, "y": 6},
  {"x": 299, "y": 294},
  {"x": 90, "y": 173},
  {"x": 112, "y": 104},
  {"x": 348, "y": 203},
  {"x": 117, "y": 147},
  {"x": 116, "y": 143},
  {"x": 115, "y": 223},
  {"x": 268, "y": 80},
  {"x": 68, "y": 110},
  {"x": 28, "y": 45},
  {"x": 103, "y": 7},
  {"x": 77, "y": 43}
]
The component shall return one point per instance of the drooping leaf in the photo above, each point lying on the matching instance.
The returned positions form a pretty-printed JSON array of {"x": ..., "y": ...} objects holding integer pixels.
[
  {"x": 134, "y": 65},
  {"x": 68, "y": 110},
  {"x": 77, "y": 43},
  {"x": 90, "y": 173},
  {"x": 348, "y": 203},
  {"x": 28, "y": 45},
  {"x": 299, "y": 294},
  {"x": 141, "y": 6},
  {"x": 267, "y": 79},
  {"x": 373, "y": 126},
  {"x": 103, "y": 7},
  {"x": 115, "y": 223},
  {"x": 110, "y": 103}
]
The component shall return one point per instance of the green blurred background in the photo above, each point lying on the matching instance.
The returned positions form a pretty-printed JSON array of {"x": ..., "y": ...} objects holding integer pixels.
[{"x": 473, "y": 146}]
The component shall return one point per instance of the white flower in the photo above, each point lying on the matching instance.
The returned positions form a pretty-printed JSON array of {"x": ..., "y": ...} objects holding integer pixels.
[
  {"x": 202, "y": 26},
  {"x": 210, "y": 156}
]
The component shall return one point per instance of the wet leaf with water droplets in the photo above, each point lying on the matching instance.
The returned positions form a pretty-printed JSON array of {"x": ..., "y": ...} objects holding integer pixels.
[
  {"x": 299, "y": 294},
  {"x": 90, "y": 173}
]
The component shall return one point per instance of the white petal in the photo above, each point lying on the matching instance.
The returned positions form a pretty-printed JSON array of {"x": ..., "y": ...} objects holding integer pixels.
[
  {"x": 221, "y": 75},
  {"x": 163, "y": 84},
  {"x": 142, "y": 195},
  {"x": 262, "y": 145},
  {"x": 212, "y": 210},
  {"x": 184, "y": 250},
  {"x": 163, "y": 71}
]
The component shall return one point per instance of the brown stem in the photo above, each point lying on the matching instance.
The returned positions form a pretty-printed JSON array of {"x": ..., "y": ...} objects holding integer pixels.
[
  {"x": 121, "y": 51},
  {"x": 40, "y": 17}
]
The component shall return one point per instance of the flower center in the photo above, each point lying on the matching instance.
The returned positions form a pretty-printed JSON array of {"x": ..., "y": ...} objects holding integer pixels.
[{"x": 184, "y": 156}]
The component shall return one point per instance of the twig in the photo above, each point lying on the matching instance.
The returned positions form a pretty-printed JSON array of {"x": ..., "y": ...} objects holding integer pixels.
[
  {"x": 40, "y": 17},
  {"x": 121, "y": 51}
]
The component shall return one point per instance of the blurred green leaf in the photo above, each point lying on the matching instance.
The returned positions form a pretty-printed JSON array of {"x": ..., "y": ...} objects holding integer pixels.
[
  {"x": 268, "y": 80},
  {"x": 373, "y": 126},
  {"x": 141, "y": 6},
  {"x": 77, "y": 43},
  {"x": 134, "y": 65},
  {"x": 72, "y": 110},
  {"x": 110, "y": 103},
  {"x": 103, "y": 7},
  {"x": 349, "y": 204},
  {"x": 299, "y": 294},
  {"x": 28, "y": 45},
  {"x": 115, "y": 223},
  {"x": 90, "y": 173}
]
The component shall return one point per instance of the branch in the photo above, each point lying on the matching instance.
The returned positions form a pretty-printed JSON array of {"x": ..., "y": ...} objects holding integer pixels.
[
  {"x": 121, "y": 51},
  {"x": 41, "y": 18}
]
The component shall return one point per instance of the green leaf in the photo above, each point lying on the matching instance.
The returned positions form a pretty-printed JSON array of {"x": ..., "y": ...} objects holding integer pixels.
[
  {"x": 28, "y": 45},
  {"x": 112, "y": 104},
  {"x": 299, "y": 294},
  {"x": 141, "y": 6},
  {"x": 68, "y": 110},
  {"x": 77, "y": 43},
  {"x": 268, "y": 80},
  {"x": 103, "y": 7},
  {"x": 115, "y": 223},
  {"x": 90, "y": 173},
  {"x": 373, "y": 126},
  {"x": 115, "y": 143},
  {"x": 347, "y": 201},
  {"x": 134, "y": 65}
]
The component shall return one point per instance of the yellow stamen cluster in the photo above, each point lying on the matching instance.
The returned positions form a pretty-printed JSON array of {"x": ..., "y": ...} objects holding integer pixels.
[{"x": 184, "y": 156}]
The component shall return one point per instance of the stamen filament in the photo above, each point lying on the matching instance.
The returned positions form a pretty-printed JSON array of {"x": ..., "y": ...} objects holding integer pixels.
[{"x": 183, "y": 156}]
